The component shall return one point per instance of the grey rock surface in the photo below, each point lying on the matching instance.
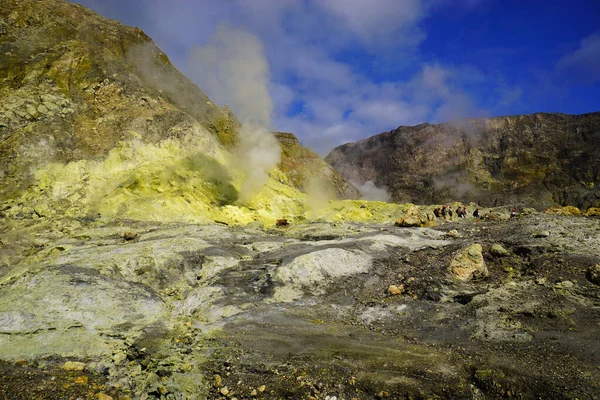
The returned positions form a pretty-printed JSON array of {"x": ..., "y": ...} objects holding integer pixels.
[{"x": 319, "y": 309}]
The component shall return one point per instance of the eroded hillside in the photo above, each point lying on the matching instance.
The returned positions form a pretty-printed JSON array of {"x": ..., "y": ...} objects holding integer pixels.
[
  {"x": 538, "y": 160},
  {"x": 95, "y": 121}
]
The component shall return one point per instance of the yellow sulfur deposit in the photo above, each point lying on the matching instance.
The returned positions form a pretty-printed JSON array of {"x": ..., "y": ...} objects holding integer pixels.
[{"x": 190, "y": 180}]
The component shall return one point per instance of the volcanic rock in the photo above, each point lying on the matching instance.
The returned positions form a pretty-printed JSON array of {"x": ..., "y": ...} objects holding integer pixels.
[
  {"x": 416, "y": 216},
  {"x": 301, "y": 312},
  {"x": 540, "y": 160},
  {"x": 498, "y": 251},
  {"x": 469, "y": 263}
]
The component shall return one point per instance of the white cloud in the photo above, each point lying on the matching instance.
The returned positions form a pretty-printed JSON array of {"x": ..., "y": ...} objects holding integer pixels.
[
  {"x": 390, "y": 112},
  {"x": 379, "y": 21},
  {"x": 583, "y": 64},
  {"x": 303, "y": 40}
]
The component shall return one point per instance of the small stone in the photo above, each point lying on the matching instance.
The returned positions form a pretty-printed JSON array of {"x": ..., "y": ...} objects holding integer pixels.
[
  {"x": 499, "y": 251},
  {"x": 541, "y": 281},
  {"x": 541, "y": 234},
  {"x": 564, "y": 285},
  {"x": 253, "y": 393},
  {"x": 51, "y": 106},
  {"x": 130, "y": 235},
  {"x": 395, "y": 290},
  {"x": 73, "y": 366},
  {"x": 453, "y": 233},
  {"x": 218, "y": 381},
  {"x": 224, "y": 391},
  {"x": 31, "y": 110},
  {"x": 103, "y": 396},
  {"x": 81, "y": 380},
  {"x": 42, "y": 109},
  {"x": 262, "y": 388},
  {"x": 119, "y": 357},
  {"x": 20, "y": 113}
]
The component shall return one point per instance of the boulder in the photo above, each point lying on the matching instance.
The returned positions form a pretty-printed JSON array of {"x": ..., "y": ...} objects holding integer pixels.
[
  {"x": 469, "y": 263},
  {"x": 415, "y": 217},
  {"x": 314, "y": 271}
]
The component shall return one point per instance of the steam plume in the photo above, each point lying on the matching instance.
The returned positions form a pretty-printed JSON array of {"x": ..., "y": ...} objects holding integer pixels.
[
  {"x": 233, "y": 69},
  {"x": 369, "y": 191},
  {"x": 319, "y": 193}
]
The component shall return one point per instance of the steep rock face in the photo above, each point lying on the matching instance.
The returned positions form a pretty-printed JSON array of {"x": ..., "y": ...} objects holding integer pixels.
[
  {"x": 75, "y": 84},
  {"x": 95, "y": 120},
  {"x": 300, "y": 164},
  {"x": 538, "y": 160}
]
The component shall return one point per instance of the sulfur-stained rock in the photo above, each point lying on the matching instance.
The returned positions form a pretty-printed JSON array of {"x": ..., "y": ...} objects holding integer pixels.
[
  {"x": 415, "y": 217},
  {"x": 73, "y": 366},
  {"x": 469, "y": 263},
  {"x": 593, "y": 212},
  {"x": 395, "y": 290},
  {"x": 567, "y": 210}
]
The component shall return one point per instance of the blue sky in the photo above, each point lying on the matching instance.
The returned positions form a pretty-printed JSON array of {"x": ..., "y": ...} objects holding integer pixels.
[{"x": 343, "y": 70}]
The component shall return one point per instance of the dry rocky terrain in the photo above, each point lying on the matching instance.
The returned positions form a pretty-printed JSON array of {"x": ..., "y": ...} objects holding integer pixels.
[
  {"x": 132, "y": 267},
  {"x": 473, "y": 309}
]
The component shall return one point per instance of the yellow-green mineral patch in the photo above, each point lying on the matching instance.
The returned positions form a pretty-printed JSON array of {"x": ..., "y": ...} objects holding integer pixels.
[{"x": 192, "y": 180}]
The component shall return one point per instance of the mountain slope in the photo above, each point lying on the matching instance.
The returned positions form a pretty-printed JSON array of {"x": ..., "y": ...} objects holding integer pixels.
[
  {"x": 95, "y": 120},
  {"x": 300, "y": 164},
  {"x": 538, "y": 160}
]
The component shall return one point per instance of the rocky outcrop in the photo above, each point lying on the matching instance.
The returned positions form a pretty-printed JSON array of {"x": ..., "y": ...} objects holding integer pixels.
[
  {"x": 538, "y": 160},
  {"x": 301, "y": 165},
  {"x": 76, "y": 84}
]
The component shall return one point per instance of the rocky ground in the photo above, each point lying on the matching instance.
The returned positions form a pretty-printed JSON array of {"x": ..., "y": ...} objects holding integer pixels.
[{"x": 468, "y": 309}]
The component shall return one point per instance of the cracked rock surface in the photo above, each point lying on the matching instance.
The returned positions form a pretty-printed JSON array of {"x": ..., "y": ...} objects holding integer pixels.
[{"x": 211, "y": 311}]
